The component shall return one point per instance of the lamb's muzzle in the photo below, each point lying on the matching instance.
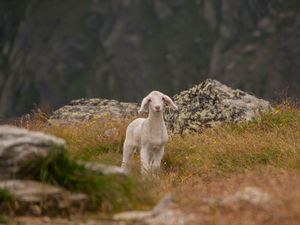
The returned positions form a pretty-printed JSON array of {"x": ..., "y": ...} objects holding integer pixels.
[{"x": 148, "y": 134}]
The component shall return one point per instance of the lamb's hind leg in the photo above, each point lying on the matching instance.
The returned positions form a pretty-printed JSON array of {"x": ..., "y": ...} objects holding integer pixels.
[
  {"x": 128, "y": 150},
  {"x": 145, "y": 162}
]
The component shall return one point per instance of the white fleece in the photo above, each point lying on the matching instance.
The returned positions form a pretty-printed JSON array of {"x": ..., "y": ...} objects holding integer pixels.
[{"x": 148, "y": 134}]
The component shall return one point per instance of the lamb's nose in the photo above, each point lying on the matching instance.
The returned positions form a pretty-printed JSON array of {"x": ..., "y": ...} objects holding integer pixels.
[{"x": 157, "y": 108}]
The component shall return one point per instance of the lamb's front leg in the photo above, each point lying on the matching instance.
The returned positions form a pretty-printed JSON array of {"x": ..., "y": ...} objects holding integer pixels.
[
  {"x": 157, "y": 160},
  {"x": 145, "y": 161}
]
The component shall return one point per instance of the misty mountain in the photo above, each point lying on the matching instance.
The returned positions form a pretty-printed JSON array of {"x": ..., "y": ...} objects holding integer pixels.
[{"x": 53, "y": 51}]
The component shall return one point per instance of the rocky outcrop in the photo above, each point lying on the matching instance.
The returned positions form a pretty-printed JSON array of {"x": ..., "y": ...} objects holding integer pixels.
[
  {"x": 92, "y": 109},
  {"x": 31, "y": 197},
  {"x": 204, "y": 105},
  {"x": 123, "y": 49},
  {"x": 19, "y": 146},
  {"x": 21, "y": 152},
  {"x": 265, "y": 64},
  {"x": 211, "y": 103}
]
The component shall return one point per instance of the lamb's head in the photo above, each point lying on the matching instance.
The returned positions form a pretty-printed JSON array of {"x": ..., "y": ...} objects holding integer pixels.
[{"x": 156, "y": 101}]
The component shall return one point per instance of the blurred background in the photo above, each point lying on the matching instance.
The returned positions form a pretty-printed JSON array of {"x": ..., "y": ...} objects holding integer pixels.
[{"x": 53, "y": 51}]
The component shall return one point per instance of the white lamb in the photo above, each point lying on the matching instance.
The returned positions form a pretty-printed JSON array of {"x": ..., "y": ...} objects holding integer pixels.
[{"x": 148, "y": 134}]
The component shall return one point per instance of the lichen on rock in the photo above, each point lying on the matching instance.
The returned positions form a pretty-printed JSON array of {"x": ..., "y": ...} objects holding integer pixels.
[
  {"x": 93, "y": 109},
  {"x": 204, "y": 105},
  {"x": 211, "y": 103}
]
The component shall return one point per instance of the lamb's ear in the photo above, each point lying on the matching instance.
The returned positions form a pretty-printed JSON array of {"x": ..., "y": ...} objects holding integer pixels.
[
  {"x": 169, "y": 101},
  {"x": 144, "y": 105}
]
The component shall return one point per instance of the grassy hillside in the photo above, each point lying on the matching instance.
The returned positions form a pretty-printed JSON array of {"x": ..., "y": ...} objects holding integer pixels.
[{"x": 264, "y": 153}]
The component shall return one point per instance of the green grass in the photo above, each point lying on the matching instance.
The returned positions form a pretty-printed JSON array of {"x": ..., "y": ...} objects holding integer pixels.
[
  {"x": 7, "y": 204},
  {"x": 3, "y": 219},
  {"x": 107, "y": 192}
]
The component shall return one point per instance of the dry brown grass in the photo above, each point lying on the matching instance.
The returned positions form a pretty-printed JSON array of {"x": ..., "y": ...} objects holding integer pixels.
[
  {"x": 98, "y": 140},
  {"x": 281, "y": 185},
  {"x": 274, "y": 139},
  {"x": 264, "y": 153}
]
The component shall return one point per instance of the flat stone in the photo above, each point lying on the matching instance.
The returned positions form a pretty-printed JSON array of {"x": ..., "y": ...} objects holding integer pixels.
[
  {"x": 165, "y": 212},
  {"x": 39, "y": 198},
  {"x": 102, "y": 168},
  {"x": 92, "y": 109}
]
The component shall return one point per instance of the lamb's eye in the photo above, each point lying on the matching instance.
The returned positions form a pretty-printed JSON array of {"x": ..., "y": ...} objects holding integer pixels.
[{"x": 149, "y": 100}]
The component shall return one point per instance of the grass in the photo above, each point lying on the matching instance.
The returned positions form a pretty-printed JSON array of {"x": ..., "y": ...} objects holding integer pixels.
[
  {"x": 3, "y": 219},
  {"x": 213, "y": 157},
  {"x": 272, "y": 140},
  {"x": 108, "y": 193},
  {"x": 7, "y": 204}
]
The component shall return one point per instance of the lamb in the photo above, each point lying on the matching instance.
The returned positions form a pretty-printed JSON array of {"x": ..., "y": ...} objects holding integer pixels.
[{"x": 148, "y": 134}]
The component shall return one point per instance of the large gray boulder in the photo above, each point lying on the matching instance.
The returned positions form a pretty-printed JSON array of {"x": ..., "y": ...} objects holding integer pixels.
[
  {"x": 18, "y": 147},
  {"x": 205, "y": 105},
  {"x": 211, "y": 103},
  {"x": 93, "y": 109}
]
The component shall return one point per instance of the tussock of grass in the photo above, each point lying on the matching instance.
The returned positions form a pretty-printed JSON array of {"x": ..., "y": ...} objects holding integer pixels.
[
  {"x": 3, "y": 219},
  {"x": 107, "y": 192},
  {"x": 7, "y": 203},
  {"x": 98, "y": 140},
  {"x": 273, "y": 139}
]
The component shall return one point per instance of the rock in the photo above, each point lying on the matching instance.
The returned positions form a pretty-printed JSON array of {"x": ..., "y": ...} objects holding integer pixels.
[
  {"x": 252, "y": 195},
  {"x": 211, "y": 103},
  {"x": 19, "y": 146},
  {"x": 113, "y": 132},
  {"x": 209, "y": 12},
  {"x": 266, "y": 25},
  {"x": 162, "y": 9},
  {"x": 35, "y": 210},
  {"x": 204, "y": 105},
  {"x": 93, "y": 109},
  {"x": 164, "y": 213},
  {"x": 102, "y": 168},
  {"x": 42, "y": 198},
  {"x": 249, "y": 49},
  {"x": 133, "y": 215}
]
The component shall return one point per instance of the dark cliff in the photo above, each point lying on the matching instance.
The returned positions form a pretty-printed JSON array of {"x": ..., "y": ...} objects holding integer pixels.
[{"x": 55, "y": 51}]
